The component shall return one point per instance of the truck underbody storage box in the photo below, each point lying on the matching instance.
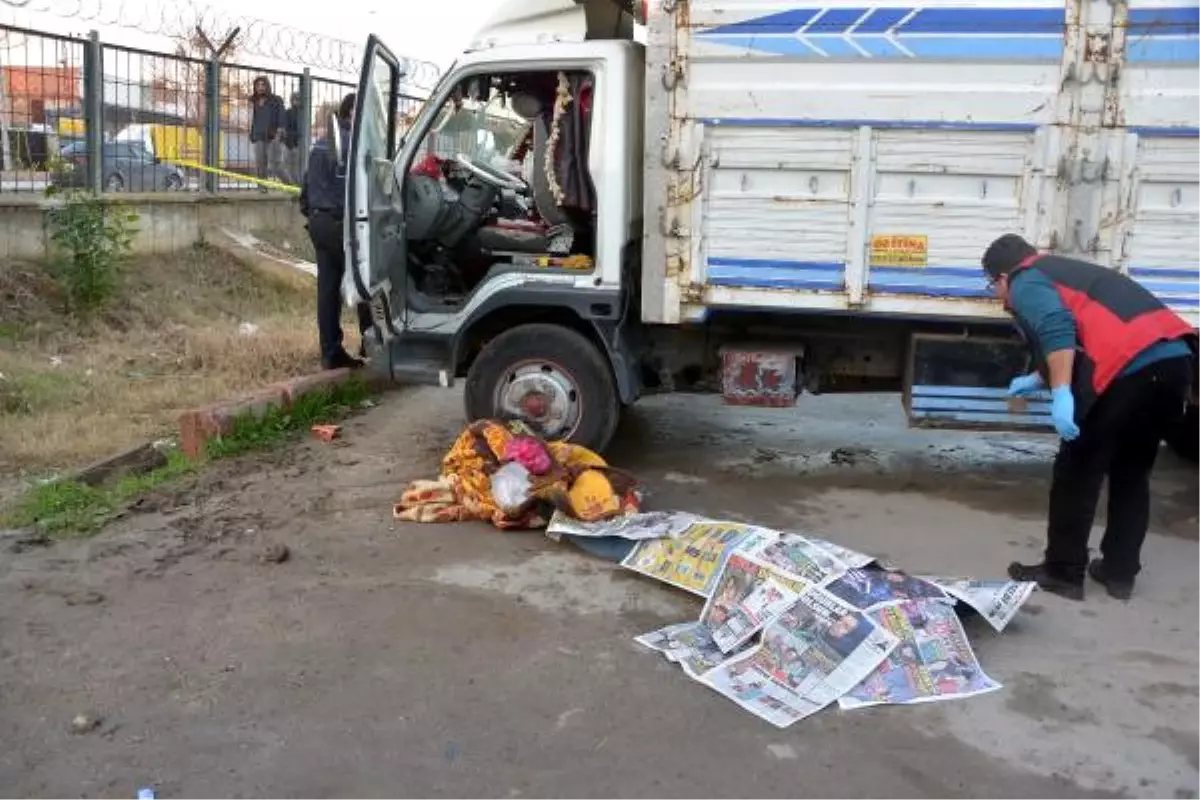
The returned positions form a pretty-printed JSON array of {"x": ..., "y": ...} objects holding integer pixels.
[{"x": 957, "y": 382}]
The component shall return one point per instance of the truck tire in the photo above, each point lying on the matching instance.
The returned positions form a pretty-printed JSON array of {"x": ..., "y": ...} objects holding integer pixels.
[
  {"x": 550, "y": 376},
  {"x": 1184, "y": 439}
]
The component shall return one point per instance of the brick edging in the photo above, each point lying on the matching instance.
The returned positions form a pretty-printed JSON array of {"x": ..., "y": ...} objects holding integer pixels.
[{"x": 199, "y": 425}]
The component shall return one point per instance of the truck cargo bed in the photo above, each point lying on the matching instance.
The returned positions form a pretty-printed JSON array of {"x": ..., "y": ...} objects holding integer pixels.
[{"x": 813, "y": 158}]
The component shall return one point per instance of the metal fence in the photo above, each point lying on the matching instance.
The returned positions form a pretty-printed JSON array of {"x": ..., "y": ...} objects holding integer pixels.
[{"x": 79, "y": 113}]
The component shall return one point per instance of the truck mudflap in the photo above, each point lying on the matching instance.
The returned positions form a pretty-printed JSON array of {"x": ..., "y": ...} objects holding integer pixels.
[{"x": 960, "y": 382}]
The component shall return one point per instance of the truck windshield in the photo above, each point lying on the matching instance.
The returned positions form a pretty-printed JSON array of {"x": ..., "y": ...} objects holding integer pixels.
[{"x": 482, "y": 131}]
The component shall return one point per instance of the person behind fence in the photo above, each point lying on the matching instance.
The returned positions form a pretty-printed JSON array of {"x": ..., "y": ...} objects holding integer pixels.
[
  {"x": 1118, "y": 364},
  {"x": 267, "y": 123},
  {"x": 291, "y": 136},
  {"x": 322, "y": 201}
]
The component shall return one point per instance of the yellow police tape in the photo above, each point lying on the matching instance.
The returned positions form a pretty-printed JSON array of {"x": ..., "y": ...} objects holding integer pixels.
[{"x": 285, "y": 187}]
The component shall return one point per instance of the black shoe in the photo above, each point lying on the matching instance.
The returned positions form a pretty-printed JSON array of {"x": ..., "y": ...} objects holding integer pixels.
[
  {"x": 342, "y": 360},
  {"x": 1117, "y": 589},
  {"x": 1046, "y": 580}
]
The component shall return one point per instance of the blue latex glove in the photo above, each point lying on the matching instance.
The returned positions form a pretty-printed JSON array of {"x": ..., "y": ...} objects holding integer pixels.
[
  {"x": 1025, "y": 385},
  {"x": 1062, "y": 412}
]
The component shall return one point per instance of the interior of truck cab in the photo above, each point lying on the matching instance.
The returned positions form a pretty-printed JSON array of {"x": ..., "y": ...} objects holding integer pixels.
[{"x": 500, "y": 182}]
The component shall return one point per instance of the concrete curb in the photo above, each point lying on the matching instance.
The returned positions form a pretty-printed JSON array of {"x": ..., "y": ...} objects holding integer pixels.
[
  {"x": 134, "y": 461},
  {"x": 242, "y": 247},
  {"x": 199, "y": 425}
]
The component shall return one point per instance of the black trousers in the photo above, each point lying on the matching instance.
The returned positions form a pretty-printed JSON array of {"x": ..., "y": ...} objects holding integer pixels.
[
  {"x": 1119, "y": 440},
  {"x": 325, "y": 230}
]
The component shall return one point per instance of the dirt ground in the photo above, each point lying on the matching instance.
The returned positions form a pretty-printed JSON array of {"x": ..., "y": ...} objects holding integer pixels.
[{"x": 386, "y": 659}]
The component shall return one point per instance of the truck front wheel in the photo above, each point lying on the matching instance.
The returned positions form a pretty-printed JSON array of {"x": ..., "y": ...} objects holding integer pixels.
[{"x": 549, "y": 376}]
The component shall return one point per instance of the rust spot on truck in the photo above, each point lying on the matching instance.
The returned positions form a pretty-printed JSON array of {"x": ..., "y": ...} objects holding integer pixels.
[{"x": 1096, "y": 47}]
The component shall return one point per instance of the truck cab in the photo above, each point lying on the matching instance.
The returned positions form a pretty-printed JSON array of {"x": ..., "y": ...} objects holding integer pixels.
[{"x": 512, "y": 202}]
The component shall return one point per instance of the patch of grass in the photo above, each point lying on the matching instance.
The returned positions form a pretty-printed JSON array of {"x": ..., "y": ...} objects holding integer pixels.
[
  {"x": 67, "y": 508},
  {"x": 279, "y": 424},
  {"x": 75, "y": 388}
]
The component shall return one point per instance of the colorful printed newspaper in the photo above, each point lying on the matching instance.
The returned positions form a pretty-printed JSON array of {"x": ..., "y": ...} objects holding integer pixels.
[
  {"x": 816, "y": 651},
  {"x": 793, "y": 623},
  {"x": 688, "y": 644},
  {"x": 801, "y": 558},
  {"x": 851, "y": 558},
  {"x": 636, "y": 527},
  {"x": 749, "y": 595},
  {"x": 692, "y": 560},
  {"x": 996, "y": 601},
  {"x": 933, "y": 661},
  {"x": 870, "y": 587}
]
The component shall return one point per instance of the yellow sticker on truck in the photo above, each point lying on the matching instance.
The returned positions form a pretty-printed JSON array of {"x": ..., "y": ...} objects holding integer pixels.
[{"x": 899, "y": 250}]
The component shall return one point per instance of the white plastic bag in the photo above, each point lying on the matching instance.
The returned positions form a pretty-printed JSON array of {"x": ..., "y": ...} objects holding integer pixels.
[{"x": 511, "y": 487}]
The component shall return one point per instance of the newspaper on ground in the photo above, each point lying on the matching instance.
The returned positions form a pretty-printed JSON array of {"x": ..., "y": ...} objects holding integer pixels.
[
  {"x": 693, "y": 559},
  {"x": 851, "y": 558},
  {"x": 689, "y": 644},
  {"x": 997, "y": 601},
  {"x": 749, "y": 594},
  {"x": 793, "y": 623},
  {"x": 816, "y": 651},
  {"x": 933, "y": 661},
  {"x": 801, "y": 558},
  {"x": 636, "y": 527},
  {"x": 870, "y": 587}
]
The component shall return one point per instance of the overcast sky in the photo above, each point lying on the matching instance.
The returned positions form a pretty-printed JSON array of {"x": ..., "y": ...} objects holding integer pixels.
[{"x": 432, "y": 31}]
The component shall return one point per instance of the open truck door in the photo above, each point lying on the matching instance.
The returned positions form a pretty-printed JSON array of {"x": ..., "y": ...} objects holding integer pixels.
[{"x": 375, "y": 239}]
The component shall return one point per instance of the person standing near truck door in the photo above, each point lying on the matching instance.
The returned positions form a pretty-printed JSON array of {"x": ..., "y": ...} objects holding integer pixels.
[
  {"x": 1118, "y": 365},
  {"x": 267, "y": 122},
  {"x": 323, "y": 202}
]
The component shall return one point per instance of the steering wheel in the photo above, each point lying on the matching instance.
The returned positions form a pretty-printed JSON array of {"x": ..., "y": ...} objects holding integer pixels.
[{"x": 491, "y": 175}]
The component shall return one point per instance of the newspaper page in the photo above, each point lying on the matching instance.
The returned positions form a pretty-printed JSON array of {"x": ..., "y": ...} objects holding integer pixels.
[
  {"x": 851, "y": 558},
  {"x": 636, "y": 527},
  {"x": 749, "y": 594},
  {"x": 869, "y": 587},
  {"x": 816, "y": 651},
  {"x": 996, "y": 601},
  {"x": 933, "y": 661},
  {"x": 692, "y": 560},
  {"x": 800, "y": 558},
  {"x": 689, "y": 644}
]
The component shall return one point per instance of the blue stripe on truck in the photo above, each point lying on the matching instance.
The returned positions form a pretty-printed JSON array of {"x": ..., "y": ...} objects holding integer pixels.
[
  {"x": 1165, "y": 35},
  {"x": 887, "y": 124},
  {"x": 769, "y": 273},
  {"x": 936, "y": 281}
]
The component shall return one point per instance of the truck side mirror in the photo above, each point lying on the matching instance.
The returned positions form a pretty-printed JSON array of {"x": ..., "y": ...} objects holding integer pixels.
[{"x": 333, "y": 131}]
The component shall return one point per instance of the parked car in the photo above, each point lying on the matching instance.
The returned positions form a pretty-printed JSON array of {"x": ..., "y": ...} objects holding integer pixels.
[{"x": 127, "y": 167}]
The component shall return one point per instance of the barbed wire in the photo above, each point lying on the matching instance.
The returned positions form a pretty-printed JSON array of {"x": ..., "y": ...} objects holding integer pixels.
[{"x": 179, "y": 20}]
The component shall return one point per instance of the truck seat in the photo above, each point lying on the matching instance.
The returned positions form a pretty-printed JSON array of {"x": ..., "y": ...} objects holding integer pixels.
[
  {"x": 526, "y": 236},
  {"x": 514, "y": 236}
]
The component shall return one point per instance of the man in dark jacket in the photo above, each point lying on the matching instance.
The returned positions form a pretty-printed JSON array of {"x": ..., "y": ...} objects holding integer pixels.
[
  {"x": 323, "y": 202},
  {"x": 291, "y": 136},
  {"x": 1118, "y": 365},
  {"x": 266, "y": 131}
]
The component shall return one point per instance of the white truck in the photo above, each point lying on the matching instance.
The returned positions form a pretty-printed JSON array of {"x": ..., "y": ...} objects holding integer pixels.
[{"x": 761, "y": 198}]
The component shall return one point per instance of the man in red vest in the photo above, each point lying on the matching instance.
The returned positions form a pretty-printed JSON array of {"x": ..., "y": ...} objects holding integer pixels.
[{"x": 1118, "y": 365}]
